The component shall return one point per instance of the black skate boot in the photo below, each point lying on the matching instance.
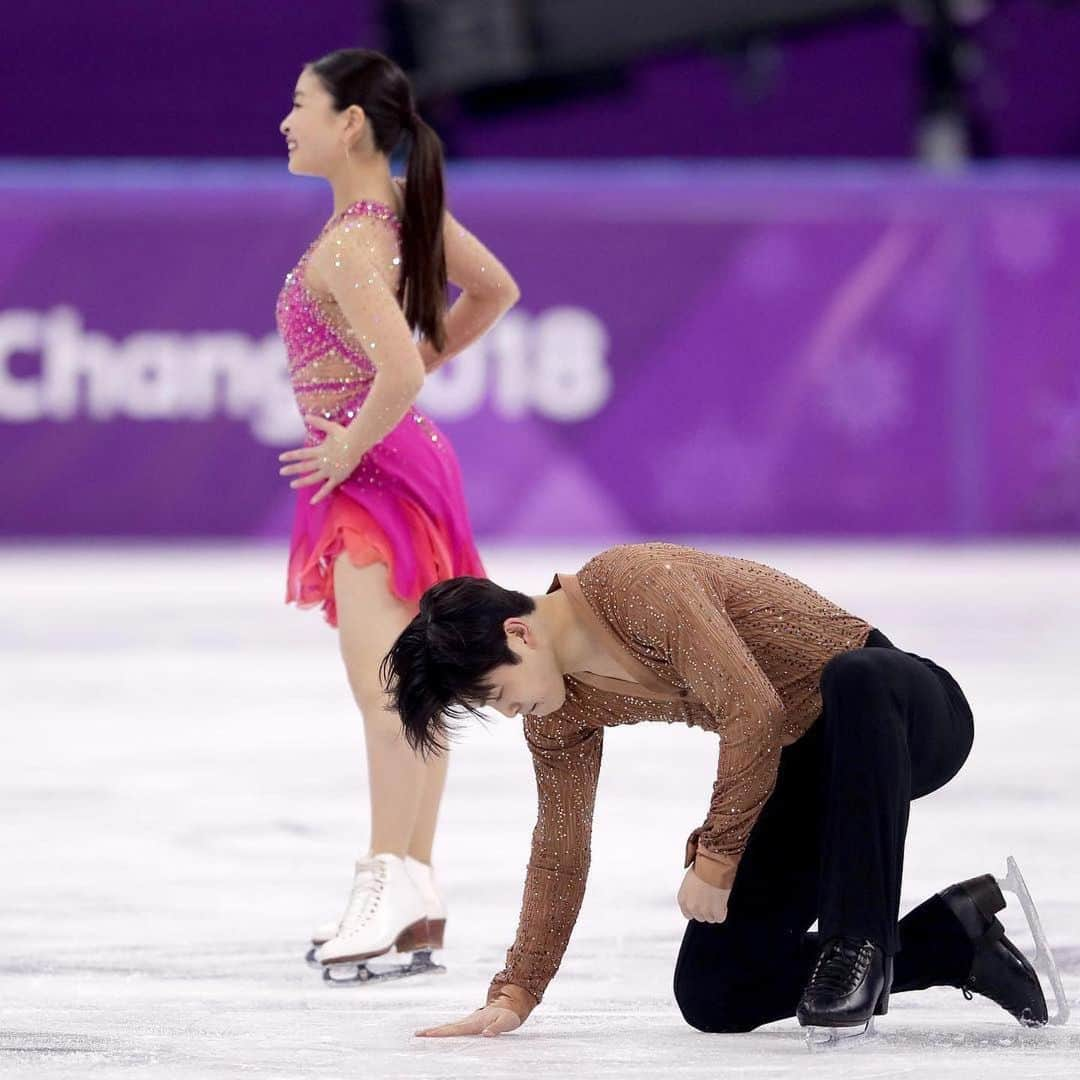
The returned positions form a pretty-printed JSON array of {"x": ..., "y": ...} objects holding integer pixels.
[
  {"x": 999, "y": 970},
  {"x": 848, "y": 987}
]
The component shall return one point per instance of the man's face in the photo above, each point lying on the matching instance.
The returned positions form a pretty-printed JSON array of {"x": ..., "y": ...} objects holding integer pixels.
[{"x": 535, "y": 685}]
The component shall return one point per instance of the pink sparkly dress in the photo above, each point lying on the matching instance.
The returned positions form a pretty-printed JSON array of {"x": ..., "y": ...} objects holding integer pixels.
[{"x": 403, "y": 505}]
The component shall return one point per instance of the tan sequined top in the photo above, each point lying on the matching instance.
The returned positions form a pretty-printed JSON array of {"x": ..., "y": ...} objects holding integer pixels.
[{"x": 714, "y": 642}]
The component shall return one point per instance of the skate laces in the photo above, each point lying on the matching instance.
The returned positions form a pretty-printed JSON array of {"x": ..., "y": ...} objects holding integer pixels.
[
  {"x": 841, "y": 966},
  {"x": 365, "y": 895}
]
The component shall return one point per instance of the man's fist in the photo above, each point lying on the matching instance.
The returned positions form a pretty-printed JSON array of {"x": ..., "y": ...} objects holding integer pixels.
[{"x": 701, "y": 901}]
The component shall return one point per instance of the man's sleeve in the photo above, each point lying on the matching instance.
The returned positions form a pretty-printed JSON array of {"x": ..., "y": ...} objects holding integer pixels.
[
  {"x": 703, "y": 647},
  {"x": 566, "y": 760}
]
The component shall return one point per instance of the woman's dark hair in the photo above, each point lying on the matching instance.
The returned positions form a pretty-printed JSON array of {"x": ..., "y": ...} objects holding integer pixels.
[
  {"x": 374, "y": 82},
  {"x": 438, "y": 669}
]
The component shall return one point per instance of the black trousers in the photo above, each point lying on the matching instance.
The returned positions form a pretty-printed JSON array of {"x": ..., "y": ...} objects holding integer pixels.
[{"x": 829, "y": 845}]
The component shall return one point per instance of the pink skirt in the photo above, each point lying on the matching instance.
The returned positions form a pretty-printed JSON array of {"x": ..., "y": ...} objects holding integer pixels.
[{"x": 403, "y": 507}]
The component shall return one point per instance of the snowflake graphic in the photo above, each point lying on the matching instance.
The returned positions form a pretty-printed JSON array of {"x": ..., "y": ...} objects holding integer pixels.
[{"x": 867, "y": 392}]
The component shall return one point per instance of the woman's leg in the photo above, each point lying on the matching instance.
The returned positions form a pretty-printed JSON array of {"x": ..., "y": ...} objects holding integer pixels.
[
  {"x": 405, "y": 790},
  {"x": 423, "y": 836}
]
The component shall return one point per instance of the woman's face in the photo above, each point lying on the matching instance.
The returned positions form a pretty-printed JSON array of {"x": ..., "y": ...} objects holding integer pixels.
[{"x": 314, "y": 130}]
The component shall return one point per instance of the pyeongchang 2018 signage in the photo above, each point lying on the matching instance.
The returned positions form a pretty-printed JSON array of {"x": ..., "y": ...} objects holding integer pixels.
[{"x": 552, "y": 365}]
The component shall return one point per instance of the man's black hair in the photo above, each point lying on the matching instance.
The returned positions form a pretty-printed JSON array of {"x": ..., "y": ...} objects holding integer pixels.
[{"x": 438, "y": 670}]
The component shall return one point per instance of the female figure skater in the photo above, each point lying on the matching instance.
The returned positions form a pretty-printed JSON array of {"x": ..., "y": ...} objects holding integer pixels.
[{"x": 380, "y": 514}]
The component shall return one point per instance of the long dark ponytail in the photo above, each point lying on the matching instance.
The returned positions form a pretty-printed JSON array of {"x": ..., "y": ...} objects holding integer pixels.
[{"x": 374, "y": 82}]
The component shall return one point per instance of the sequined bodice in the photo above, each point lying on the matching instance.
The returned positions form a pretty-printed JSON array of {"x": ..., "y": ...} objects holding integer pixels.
[{"x": 328, "y": 366}]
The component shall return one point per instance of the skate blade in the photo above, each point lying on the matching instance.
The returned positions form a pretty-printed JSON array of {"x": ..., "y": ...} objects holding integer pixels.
[
  {"x": 349, "y": 974},
  {"x": 836, "y": 1038},
  {"x": 1013, "y": 882},
  {"x": 311, "y": 957}
]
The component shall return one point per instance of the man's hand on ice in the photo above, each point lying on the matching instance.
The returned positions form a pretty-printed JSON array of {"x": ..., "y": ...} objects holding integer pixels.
[
  {"x": 490, "y": 1020},
  {"x": 701, "y": 901}
]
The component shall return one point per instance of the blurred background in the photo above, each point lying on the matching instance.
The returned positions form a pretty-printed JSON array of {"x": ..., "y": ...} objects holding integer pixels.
[
  {"x": 799, "y": 282},
  {"x": 788, "y": 268}
]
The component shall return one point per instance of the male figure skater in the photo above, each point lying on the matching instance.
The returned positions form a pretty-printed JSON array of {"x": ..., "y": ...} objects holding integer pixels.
[{"x": 827, "y": 732}]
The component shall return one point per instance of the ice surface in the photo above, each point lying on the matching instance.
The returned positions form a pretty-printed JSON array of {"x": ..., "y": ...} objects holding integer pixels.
[{"x": 182, "y": 790}]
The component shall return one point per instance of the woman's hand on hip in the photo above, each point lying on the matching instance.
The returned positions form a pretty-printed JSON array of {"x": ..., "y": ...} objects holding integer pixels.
[{"x": 328, "y": 464}]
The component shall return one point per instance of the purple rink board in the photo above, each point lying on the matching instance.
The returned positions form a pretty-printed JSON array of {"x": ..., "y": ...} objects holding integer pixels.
[{"x": 698, "y": 350}]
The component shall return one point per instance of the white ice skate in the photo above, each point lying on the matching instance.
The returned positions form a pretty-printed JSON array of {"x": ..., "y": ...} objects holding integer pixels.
[
  {"x": 434, "y": 907},
  {"x": 385, "y": 912},
  {"x": 434, "y": 910},
  {"x": 1013, "y": 882},
  {"x": 320, "y": 936}
]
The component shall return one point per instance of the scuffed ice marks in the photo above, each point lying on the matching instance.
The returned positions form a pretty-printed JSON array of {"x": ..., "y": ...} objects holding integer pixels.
[{"x": 155, "y": 900}]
